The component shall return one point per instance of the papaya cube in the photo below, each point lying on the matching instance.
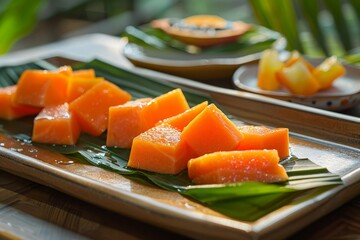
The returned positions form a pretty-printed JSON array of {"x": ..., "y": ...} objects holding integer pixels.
[
  {"x": 211, "y": 131},
  {"x": 160, "y": 150},
  {"x": 92, "y": 108},
  {"x": 260, "y": 137},
  {"x": 125, "y": 123},
  {"x": 84, "y": 73},
  {"x": 65, "y": 70},
  {"x": 183, "y": 119},
  {"x": 9, "y": 109},
  {"x": 164, "y": 106},
  {"x": 40, "y": 88},
  {"x": 237, "y": 166},
  {"x": 296, "y": 56},
  {"x": 328, "y": 71},
  {"x": 56, "y": 125},
  {"x": 79, "y": 85},
  {"x": 298, "y": 79},
  {"x": 269, "y": 64}
]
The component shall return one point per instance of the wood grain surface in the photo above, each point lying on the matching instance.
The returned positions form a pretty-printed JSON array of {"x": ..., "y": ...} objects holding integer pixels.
[{"x": 32, "y": 211}]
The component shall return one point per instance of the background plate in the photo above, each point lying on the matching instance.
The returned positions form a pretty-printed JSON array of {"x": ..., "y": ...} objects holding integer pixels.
[
  {"x": 214, "y": 63},
  {"x": 344, "y": 94}
]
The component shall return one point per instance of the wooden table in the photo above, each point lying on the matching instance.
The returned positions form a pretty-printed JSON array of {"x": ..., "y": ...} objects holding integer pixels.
[{"x": 32, "y": 211}]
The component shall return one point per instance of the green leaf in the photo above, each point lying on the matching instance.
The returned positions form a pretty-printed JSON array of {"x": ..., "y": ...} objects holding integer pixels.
[
  {"x": 17, "y": 20},
  {"x": 310, "y": 10},
  {"x": 267, "y": 13},
  {"x": 335, "y": 8},
  {"x": 253, "y": 41},
  {"x": 247, "y": 201}
]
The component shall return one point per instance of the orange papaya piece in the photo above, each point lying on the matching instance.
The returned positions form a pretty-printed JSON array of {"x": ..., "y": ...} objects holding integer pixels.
[
  {"x": 79, "y": 85},
  {"x": 56, "y": 125},
  {"x": 237, "y": 166},
  {"x": 183, "y": 119},
  {"x": 260, "y": 137},
  {"x": 296, "y": 56},
  {"x": 9, "y": 109},
  {"x": 125, "y": 123},
  {"x": 92, "y": 108},
  {"x": 164, "y": 106},
  {"x": 65, "y": 70},
  {"x": 269, "y": 64},
  {"x": 298, "y": 79},
  {"x": 160, "y": 150},
  {"x": 328, "y": 71},
  {"x": 211, "y": 131},
  {"x": 41, "y": 88},
  {"x": 84, "y": 73}
]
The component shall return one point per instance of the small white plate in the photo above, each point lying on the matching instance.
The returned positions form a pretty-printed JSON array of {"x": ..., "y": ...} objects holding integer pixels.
[
  {"x": 203, "y": 67},
  {"x": 344, "y": 94}
]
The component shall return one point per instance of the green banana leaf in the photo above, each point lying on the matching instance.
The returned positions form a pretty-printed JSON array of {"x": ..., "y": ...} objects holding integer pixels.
[
  {"x": 311, "y": 10},
  {"x": 247, "y": 201},
  {"x": 335, "y": 7},
  {"x": 17, "y": 19},
  {"x": 255, "y": 40},
  {"x": 278, "y": 16}
]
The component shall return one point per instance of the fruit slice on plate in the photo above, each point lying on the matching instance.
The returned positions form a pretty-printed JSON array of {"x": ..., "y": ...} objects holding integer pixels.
[
  {"x": 92, "y": 108},
  {"x": 164, "y": 106},
  {"x": 181, "y": 120},
  {"x": 160, "y": 149},
  {"x": 202, "y": 30},
  {"x": 261, "y": 137},
  {"x": 328, "y": 71},
  {"x": 126, "y": 121},
  {"x": 237, "y": 166},
  {"x": 211, "y": 131},
  {"x": 41, "y": 88},
  {"x": 269, "y": 64},
  {"x": 56, "y": 125},
  {"x": 9, "y": 109},
  {"x": 298, "y": 79}
]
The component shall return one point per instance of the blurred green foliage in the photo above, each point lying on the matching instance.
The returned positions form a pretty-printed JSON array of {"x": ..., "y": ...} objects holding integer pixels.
[
  {"x": 314, "y": 27},
  {"x": 17, "y": 18},
  {"x": 285, "y": 17}
]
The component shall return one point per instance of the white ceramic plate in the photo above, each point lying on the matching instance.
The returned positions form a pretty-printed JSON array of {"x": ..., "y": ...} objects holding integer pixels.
[
  {"x": 344, "y": 94},
  {"x": 203, "y": 67}
]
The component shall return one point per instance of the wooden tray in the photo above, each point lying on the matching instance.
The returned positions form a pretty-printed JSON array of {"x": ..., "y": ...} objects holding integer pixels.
[{"x": 329, "y": 139}]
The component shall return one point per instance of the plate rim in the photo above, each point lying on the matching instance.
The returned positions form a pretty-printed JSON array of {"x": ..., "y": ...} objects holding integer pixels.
[{"x": 248, "y": 67}]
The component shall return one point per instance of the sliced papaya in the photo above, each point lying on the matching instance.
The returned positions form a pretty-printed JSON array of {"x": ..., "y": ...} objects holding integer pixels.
[
  {"x": 183, "y": 119},
  {"x": 296, "y": 56},
  {"x": 92, "y": 108},
  {"x": 126, "y": 121},
  {"x": 328, "y": 71},
  {"x": 237, "y": 166},
  {"x": 269, "y": 64},
  {"x": 298, "y": 79},
  {"x": 261, "y": 137},
  {"x": 84, "y": 73},
  {"x": 79, "y": 85},
  {"x": 211, "y": 131},
  {"x": 56, "y": 125},
  {"x": 65, "y": 70},
  {"x": 9, "y": 109},
  {"x": 160, "y": 149},
  {"x": 164, "y": 106},
  {"x": 202, "y": 30},
  {"x": 41, "y": 88}
]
